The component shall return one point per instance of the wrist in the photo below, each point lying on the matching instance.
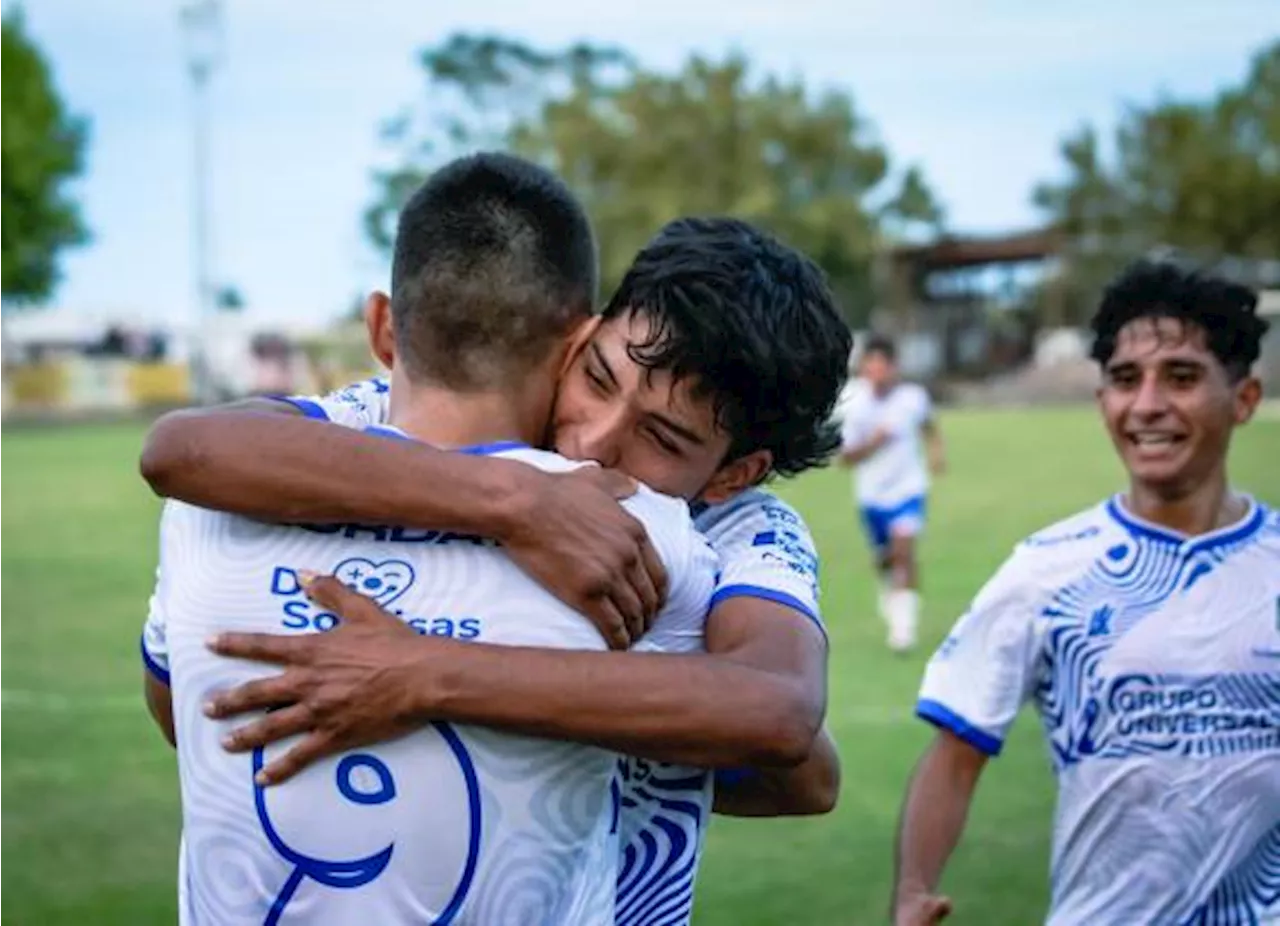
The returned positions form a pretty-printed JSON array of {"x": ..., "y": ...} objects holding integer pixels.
[
  {"x": 512, "y": 502},
  {"x": 492, "y": 498},
  {"x": 426, "y": 679}
]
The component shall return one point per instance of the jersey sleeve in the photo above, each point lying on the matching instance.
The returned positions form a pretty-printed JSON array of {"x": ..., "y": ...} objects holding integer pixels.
[
  {"x": 359, "y": 405},
  {"x": 851, "y": 424},
  {"x": 985, "y": 669},
  {"x": 155, "y": 643},
  {"x": 766, "y": 551},
  {"x": 691, "y": 573},
  {"x": 155, "y": 647},
  {"x": 924, "y": 406}
]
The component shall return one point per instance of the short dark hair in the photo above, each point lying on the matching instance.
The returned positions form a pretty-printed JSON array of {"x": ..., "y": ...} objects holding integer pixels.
[
  {"x": 1172, "y": 288},
  {"x": 494, "y": 259},
  {"x": 880, "y": 344},
  {"x": 754, "y": 322}
]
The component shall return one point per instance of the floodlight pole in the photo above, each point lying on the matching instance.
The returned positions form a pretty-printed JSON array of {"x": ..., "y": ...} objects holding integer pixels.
[{"x": 201, "y": 22}]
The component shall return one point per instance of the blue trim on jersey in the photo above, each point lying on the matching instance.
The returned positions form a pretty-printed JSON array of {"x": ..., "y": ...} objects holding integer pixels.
[
  {"x": 728, "y": 777},
  {"x": 384, "y": 430},
  {"x": 502, "y": 446},
  {"x": 474, "y": 450},
  {"x": 306, "y": 406},
  {"x": 160, "y": 672},
  {"x": 1223, "y": 537},
  {"x": 940, "y": 715},
  {"x": 745, "y": 590}
]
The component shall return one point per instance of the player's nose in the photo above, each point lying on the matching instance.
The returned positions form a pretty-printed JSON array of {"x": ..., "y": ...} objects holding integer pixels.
[
  {"x": 1151, "y": 399},
  {"x": 601, "y": 441}
]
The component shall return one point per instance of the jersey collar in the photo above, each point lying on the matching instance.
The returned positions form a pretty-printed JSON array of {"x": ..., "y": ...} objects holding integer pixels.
[
  {"x": 1227, "y": 536},
  {"x": 475, "y": 450}
]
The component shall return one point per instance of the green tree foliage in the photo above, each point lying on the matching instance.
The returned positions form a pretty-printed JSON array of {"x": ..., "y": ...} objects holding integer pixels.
[
  {"x": 1203, "y": 177},
  {"x": 641, "y": 147},
  {"x": 42, "y": 148}
]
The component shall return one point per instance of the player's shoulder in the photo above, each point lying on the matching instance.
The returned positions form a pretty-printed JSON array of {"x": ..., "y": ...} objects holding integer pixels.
[
  {"x": 667, "y": 519},
  {"x": 545, "y": 460},
  {"x": 914, "y": 391},
  {"x": 747, "y": 513},
  {"x": 1067, "y": 545}
]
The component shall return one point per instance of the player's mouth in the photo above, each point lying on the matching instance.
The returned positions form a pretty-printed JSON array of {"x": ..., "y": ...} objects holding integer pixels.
[{"x": 1155, "y": 444}]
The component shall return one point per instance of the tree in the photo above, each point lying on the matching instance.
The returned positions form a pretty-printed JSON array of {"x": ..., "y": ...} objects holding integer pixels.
[
  {"x": 641, "y": 148},
  {"x": 42, "y": 148},
  {"x": 1203, "y": 177}
]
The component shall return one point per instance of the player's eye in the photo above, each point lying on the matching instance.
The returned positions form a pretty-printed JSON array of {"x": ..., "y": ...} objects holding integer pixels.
[
  {"x": 1184, "y": 377},
  {"x": 664, "y": 443},
  {"x": 1123, "y": 379},
  {"x": 597, "y": 381}
]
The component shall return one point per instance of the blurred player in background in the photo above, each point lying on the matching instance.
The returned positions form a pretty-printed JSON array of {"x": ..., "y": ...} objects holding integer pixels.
[
  {"x": 1146, "y": 631},
  {"x": 888, "y": 429}
]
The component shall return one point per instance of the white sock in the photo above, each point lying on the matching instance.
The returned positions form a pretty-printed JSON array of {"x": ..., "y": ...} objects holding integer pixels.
[
  {"x": 883, "y": 602},
  {"x": 903, "y": 606}
]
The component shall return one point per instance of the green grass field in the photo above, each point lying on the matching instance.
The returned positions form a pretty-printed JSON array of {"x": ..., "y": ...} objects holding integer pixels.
[{"x": 90, "y": 792}]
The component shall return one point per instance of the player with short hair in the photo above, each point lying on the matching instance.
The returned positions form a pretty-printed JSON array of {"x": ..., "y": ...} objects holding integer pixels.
[
  {"x": 717, "y": 362},
  {"x": 493, "y": 275},
  {"x": 1144, "y": 630},
  {"x": 883, "y": 422}
]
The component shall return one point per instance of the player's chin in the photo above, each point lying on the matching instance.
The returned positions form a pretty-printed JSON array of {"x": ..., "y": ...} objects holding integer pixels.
[{"x": 1166, "y": 469}]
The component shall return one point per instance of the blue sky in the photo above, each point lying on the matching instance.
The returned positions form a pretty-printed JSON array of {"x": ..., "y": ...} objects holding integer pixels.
[{"x": 978, "y": 93}]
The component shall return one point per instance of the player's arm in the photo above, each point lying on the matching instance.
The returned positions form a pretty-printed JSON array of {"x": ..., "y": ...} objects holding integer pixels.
[
  {"x": 856, "y": 445},
  {"x": 972, "y": 691},
  {"x": 933, "y": 818},
  {"x": 160, "y": 704},
  {"x": 935, "y": 447},
  {"x": 812, "y": 787},
  {"x": 753, "y": 701},
  {"x": 273, "y": 461}
]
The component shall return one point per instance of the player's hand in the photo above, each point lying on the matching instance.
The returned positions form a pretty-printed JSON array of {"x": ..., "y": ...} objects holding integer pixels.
[
  {"x": 348, "y": 687},
  {"x": 570, "y": 533},
  {"x": 921, "y": 910}
]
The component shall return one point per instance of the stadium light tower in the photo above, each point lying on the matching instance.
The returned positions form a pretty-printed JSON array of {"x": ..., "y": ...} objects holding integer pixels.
[{"x": 201, "y": 22}]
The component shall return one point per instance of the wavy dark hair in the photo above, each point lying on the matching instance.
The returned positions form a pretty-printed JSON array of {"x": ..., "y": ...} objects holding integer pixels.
[
  {"x": 1227, "y": 312},
  {"x": 754, "y": 324}
]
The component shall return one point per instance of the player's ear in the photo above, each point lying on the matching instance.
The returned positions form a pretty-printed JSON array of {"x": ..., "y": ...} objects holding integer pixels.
[
  {"x": 737, "y": 475},
  {"x": 377, "y": 321},
  {"x": 1248, "y": 393}
]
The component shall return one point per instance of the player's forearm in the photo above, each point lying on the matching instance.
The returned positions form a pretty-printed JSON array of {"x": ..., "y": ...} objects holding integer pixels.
[
  {"x": 863, "y": 451},
  {"x": 811, "y": 788},
  {"x": 933, "y": 819},
  {"x": 286, "y": 468},
  {"x": 688, "y": 709}
]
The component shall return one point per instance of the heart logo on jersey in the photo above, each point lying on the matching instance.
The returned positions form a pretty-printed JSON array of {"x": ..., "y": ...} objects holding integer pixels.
[{"x": 384, "y": 582}]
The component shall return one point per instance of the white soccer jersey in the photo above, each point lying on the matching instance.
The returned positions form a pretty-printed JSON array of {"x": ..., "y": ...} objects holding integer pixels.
[
  {"x": 765, "y": 551},
  {"x": 1154, "y": 662},
  {"x": 452, "y": 823},
  {"x": 896, "y": 472}
]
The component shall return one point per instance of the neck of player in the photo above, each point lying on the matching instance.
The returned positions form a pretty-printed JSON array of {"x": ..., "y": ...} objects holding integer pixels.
[
  {"x": 447, "y": 418},
  {"x": 1208, "y": 506}
]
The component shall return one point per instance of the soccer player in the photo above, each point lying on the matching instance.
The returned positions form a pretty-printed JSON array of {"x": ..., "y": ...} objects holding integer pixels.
[
  {"x": 717, "y": 362},
  {"x": 883, "y": 423},
  {"x": 494, "y": 272},
  {"x": 1145, "y": 632}
]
